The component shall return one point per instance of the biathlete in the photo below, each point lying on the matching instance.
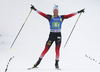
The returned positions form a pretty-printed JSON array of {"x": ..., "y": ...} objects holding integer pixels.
[{"x": 55, "y": 22}]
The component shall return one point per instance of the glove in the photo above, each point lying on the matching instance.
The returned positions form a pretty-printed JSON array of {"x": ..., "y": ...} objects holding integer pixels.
[
  {"x": 81, "y": 11},
  {"x": 32, "y": 7}
]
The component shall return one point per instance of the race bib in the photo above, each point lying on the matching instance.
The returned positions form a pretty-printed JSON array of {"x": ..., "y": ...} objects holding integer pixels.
[{"x": 55, "y": 24}]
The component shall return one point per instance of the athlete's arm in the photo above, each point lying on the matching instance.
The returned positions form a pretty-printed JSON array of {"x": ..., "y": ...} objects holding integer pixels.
[
  {"x": 72, "y": 14},
  {"x": 69, "y": 15},
  {"x": 42, "y": 14}
]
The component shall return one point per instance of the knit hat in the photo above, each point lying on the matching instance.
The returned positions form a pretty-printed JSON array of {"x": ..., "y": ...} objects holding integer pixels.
[{"x": 55, "y": 7}]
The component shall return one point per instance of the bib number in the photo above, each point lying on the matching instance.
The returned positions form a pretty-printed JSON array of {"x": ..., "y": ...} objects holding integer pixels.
[{"x": 55, "y": 24}]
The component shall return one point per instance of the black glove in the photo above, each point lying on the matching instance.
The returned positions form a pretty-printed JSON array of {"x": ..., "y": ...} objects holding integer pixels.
[
  {"x": 81, "y": 11},
  {"x": 32, "y": 7}
]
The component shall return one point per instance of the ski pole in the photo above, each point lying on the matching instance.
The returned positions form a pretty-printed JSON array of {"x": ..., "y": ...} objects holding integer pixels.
[
  {"x": 72, "y": 30},
  {"x": 20, "y": 29}
]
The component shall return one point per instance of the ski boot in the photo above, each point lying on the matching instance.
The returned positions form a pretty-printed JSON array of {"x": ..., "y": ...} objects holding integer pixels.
[
  {"x": 37, "y": 63},
  {"x": 56, "y": 64}
]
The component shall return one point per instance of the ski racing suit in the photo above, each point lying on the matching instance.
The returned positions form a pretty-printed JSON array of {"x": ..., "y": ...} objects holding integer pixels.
[{"x": 55, "y": 31}]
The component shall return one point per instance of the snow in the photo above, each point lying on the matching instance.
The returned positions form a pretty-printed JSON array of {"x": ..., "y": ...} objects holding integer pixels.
[{"x": 31, "y": 41}]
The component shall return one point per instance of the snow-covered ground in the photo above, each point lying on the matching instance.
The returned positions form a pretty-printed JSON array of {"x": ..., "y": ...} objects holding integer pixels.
[{"x": 31, "y": 41}]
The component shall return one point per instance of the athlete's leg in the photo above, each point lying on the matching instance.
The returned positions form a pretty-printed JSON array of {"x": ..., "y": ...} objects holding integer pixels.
[
  {"x": 58, "y": 44},
  {"x": 47, "y": 47},
  {"x": 48, "y": 44},
  {"x": 57, "y": 49}
]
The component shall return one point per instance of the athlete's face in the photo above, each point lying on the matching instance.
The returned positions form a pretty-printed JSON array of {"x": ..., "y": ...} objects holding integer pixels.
[{"x": 55, "y": 12}]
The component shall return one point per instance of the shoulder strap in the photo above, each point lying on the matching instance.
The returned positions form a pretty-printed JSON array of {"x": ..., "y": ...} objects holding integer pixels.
[
  {"x": 60, "y": 17},
  {"x": 52, "y": 16}
]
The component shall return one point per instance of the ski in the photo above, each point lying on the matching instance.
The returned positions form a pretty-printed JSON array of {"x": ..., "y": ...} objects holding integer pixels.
[
  {"x": 32, "y": 68},
  {"x": 92, "y": 59},
  {"x": 37, "y": 67},
  {"x": 8, "y": 63},
  {"x": 58, "y": 68}
]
